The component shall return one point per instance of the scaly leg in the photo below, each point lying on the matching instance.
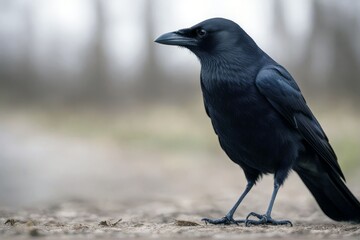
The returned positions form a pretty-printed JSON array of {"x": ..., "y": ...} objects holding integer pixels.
[
  {"x": 228, "y": 219},
  {"x": 266, "y": 218}
]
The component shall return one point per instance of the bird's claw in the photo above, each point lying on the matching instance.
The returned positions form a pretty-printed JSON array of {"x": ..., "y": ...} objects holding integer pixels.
[
  {"x": 227, "y": 220},
  {"x": 264, "y": 219}
]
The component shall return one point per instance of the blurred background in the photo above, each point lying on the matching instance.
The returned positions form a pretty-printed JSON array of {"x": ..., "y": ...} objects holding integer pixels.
[{"x": 92, "y": 108}]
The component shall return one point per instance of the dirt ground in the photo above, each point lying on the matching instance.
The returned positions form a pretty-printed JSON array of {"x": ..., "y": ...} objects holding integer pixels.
[
  {"x": 59, "y": 187},
  {"x": 160, "y": 219}
]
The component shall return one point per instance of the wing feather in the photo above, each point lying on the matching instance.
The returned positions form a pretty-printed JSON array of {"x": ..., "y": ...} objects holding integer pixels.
[{"x": 281, "y": 90}]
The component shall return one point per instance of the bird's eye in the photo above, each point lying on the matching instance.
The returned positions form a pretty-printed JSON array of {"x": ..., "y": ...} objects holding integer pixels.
[{"x": 201, "y": 32}]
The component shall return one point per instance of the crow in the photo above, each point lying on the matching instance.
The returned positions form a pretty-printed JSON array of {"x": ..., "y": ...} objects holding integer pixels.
[{"x": 262, "y": 121}]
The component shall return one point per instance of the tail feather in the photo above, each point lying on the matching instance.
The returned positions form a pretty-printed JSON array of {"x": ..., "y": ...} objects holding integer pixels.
[{"x": 329, "y": 190}]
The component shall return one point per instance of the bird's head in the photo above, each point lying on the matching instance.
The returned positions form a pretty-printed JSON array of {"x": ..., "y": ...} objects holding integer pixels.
[{"x": 210, "y": 38}]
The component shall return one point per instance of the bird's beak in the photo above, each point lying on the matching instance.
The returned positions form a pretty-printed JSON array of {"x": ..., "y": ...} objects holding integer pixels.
[{"x": 177, "y": 38}]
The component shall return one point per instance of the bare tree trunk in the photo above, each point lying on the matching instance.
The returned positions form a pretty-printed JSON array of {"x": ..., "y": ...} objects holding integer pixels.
[
  {"x": 26, "y": 77},
  {"x": 151, "y": 82},
  {"x": 95, "y": 70}
]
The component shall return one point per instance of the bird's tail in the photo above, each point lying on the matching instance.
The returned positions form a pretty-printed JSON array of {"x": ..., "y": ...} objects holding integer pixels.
[{"x": 329, "y": 190}]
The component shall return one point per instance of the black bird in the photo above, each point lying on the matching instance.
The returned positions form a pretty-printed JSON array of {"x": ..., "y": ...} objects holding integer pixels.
[{"x": 262, "y": 120}]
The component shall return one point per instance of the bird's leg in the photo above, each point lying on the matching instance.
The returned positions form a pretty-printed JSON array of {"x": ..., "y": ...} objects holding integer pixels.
[
  {"x": 228, "y": 219},
  {"x": 266, "y": 218}
]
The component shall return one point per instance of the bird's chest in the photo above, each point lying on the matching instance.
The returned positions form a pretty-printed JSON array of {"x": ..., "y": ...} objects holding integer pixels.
[
  {"x": 239, "y": 113},
  {"x": 247, "y": 127}
]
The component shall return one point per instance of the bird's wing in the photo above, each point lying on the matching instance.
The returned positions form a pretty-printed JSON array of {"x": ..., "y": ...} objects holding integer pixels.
[{"x": 281, "y": 90}]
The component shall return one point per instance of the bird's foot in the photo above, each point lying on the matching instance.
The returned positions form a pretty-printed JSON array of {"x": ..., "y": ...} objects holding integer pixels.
[
  {"x": 264, "y": 219},
  {"x": 227, "y": 220}
]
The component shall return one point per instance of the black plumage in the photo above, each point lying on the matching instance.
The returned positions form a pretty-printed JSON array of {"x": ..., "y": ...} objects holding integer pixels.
[{"x": 262, "y": 120}]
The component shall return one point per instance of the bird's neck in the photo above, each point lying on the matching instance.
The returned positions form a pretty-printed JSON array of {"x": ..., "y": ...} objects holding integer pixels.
[{"x": 232, "y": 67}]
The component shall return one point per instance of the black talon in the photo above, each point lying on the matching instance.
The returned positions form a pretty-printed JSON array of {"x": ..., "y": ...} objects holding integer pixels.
[
  {"x": 225, "y": 220},
  {"x": 264, "y": 219},
  {"x": 254, "y": 214},
  {"x": 205, "y": 220}
]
